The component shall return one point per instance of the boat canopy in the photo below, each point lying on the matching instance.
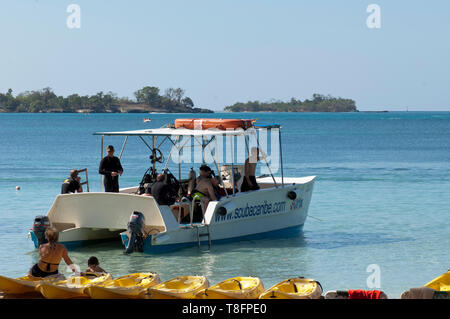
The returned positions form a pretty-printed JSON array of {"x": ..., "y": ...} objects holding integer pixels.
[
  {"x": 166, "y": 131},
  {"x": 169, "y": 132}
]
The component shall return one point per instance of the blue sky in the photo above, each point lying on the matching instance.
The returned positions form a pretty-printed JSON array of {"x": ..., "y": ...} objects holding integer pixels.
[{"x": 224, "y": 51}]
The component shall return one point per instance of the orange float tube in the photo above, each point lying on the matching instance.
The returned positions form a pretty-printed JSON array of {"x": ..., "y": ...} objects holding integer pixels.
[{"x": 221, "y": 124}]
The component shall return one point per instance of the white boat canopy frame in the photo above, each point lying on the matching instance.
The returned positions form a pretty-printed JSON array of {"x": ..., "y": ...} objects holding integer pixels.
[{"x": 211, "y": 134}]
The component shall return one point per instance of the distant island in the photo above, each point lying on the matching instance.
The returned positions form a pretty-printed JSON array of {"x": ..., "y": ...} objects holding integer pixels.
[
  {"x": 319, "y": 103},
  {"x": 148, "y": 99}
]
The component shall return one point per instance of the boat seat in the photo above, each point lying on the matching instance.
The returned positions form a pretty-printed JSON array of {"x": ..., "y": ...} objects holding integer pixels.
[
  {"x": 153, "y": 229},
  {"x": 225, "y": 173},
  {"x": 185, "y": 209},
  {"x": 195, "y": 212},
  {"x": 148, "y": 230}
]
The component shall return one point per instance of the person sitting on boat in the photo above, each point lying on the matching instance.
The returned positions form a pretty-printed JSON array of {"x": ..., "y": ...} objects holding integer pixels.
[
  {"x": 50, "y": 255},
  {"x": 204, "y": 186},
  {"x": 94, "y": 265},
  {"x": 111, "y": 168},
  {"x": 161, "y": 191},
  {"x": 249, "y": 183},
  {"x": 219, "y": 191},
  {"x": 72, "y": 184}
]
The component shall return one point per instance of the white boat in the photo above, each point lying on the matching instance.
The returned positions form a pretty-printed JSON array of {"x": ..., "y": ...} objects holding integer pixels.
[{"x": 278, "y": 208}]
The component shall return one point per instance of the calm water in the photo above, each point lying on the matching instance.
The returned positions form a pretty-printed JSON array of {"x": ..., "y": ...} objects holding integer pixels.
[{"x": 382, "y": 197}]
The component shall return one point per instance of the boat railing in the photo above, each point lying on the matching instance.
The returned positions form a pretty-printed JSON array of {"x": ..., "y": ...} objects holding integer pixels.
[
  {"x": 197, "y": 200},
  {"x": 86, "y": 182}
]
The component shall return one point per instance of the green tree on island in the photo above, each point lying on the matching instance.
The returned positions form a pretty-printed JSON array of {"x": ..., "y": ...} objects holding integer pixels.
[
  {"x": 148, "y": 95},
  {"x": 319, "y": 103},
  {"x": 148, "y": 99}
]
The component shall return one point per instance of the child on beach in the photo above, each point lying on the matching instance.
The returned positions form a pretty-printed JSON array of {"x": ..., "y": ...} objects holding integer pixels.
[{"x": 93, "y": 265}]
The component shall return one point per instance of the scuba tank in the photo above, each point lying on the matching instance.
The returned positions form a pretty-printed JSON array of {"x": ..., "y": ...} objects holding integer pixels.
[
  {"x": 191, "y": 174},
  {"x": 40, "y": 225},
  {"x": 191, "y": 183},
  {"x": 136, "y": 231}
]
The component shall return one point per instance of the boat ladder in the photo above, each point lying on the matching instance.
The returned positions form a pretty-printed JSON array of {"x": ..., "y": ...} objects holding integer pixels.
[
  {"x": 87, "y": 180},
  {"x": 201, "y": 234}
]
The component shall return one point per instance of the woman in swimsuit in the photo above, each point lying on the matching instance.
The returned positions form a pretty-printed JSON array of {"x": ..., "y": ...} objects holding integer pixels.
[{"x": 50, "y": 255}]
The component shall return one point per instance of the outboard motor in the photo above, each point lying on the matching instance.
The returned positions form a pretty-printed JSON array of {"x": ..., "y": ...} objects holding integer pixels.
[
  {"x": 136, "y": 231},
  {"x": 40, "y": 225}
]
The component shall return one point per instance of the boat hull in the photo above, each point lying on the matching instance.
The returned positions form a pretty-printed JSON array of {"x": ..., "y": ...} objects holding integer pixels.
[
  {"x": 50, "y": 291},
  {"x": 441, "y": 283},
  {"x": 80, "y": 237},
  {"x": 265, "y": 213},
  {"x": 183, "y": 287},
  {"x": 108, "y": 293},
  {"x": 20, "y": 285},
  {"x": 71, "y": 288},
  {"x": 288, "y": 232},
  {"x": 234, "y": 288},
  {"x": 125, "y": 287},
  {"x": 272, "y": 211},
  {"x": 294, "y": 288},
  {"x": 91, "y": 218}
]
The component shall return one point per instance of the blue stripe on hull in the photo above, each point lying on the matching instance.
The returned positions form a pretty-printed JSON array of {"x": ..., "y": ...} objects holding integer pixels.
[
  {"x": 279, "y": 233},
  {"x": 82, "y": 243},
  {"x": 157, "y": 249},
  {"x": 34, "y": 239}
]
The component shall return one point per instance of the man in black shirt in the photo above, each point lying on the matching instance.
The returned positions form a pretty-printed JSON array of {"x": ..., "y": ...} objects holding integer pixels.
[
  {"x": 72, "y": 184},
  {"x": 111, "y": 168},
  {"x": 161, "y": 191}
]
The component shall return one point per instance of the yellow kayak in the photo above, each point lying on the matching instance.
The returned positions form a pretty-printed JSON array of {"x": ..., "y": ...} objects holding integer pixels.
[
  {"x": 234, "y": 288},
  {"x": 22, "y": 285},
  {"x": 73, "y": 287},
  {"x": 129, "y": 286},
  {"x": 182, "y": 287},
  {"x": 294, "y": 288},
  {"x": 441, "y": 283}
]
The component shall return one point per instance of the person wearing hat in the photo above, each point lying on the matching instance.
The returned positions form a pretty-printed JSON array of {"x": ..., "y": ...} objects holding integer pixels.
[
  {"x": 72, "y": 184},
  {"x": 111, "y": 168}
]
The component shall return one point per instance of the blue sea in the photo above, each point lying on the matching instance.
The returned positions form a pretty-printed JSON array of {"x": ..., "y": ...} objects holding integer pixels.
[{"x": 381, "y": 198}]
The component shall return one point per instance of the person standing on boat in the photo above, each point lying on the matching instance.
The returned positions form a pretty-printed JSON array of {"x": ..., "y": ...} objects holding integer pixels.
[
  {"x": 72, "y": 184},
  {"x": 111, "y": 168},
  {"x": 249, "y": 183}
]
